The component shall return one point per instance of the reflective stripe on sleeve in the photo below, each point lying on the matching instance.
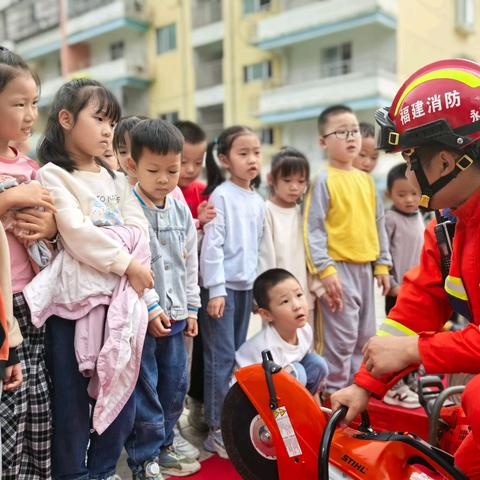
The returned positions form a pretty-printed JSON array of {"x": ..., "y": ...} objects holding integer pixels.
[
  {"x": 392, "y": 328},
  {"x": 454, "y": 287}
]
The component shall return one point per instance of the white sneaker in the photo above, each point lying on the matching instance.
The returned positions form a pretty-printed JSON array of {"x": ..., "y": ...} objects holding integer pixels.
[
  {"x": 183, "y": 446},
  {"x": 195, "y": 415},
  {"x": 176, "y": 465},
  {"x": 401, "y": 396},
  {"x": 214, "y": 443}
]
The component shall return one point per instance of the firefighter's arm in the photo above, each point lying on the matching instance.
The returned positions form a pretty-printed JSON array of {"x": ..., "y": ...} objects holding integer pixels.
[{"x": 422, "y": 306}]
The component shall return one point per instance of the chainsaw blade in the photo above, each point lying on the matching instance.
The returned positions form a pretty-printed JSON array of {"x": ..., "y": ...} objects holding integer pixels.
[{"x": 247, "y": 440}]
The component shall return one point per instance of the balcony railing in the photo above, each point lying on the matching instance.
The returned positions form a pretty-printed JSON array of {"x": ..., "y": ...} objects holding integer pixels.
[
  {"x": 80, "y": 7},
  {"x": 29, "y": 17},
  {"x": 369, "y": 65},
  {"x": 204, "y": 13},
  {"x": 289, "y": 4},
  {"x": 209, "y": 74}
]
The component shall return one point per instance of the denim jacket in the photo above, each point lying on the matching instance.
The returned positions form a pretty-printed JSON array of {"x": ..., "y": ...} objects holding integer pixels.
[{"x": 173, "y": 244}]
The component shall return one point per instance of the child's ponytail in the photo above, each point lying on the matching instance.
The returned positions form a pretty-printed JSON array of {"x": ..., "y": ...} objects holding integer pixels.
[{"x": 215, "y": 175}]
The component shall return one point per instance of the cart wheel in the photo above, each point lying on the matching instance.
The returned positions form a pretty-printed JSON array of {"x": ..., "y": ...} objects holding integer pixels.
[{"x": 247, "y": 440}]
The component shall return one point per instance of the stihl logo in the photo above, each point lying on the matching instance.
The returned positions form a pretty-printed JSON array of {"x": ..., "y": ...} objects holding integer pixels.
[{"x": 357, "y": 466}]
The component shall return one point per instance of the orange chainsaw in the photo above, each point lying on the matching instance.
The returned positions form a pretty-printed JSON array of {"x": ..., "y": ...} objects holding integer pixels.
[{"x": 273, "y": 429}]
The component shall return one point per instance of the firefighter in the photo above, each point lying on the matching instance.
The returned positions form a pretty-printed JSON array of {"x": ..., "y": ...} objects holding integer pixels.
[{"x": 434, "y": 121}]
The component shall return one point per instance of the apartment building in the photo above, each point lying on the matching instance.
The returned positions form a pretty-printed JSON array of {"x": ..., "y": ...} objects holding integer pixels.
[
  {"x": 103, "y": 39},
  {"x": 270, "y": 64}
]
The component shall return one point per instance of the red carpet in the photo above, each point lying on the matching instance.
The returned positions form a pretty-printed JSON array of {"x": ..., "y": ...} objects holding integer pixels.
[{"x": 215, "y": 468}]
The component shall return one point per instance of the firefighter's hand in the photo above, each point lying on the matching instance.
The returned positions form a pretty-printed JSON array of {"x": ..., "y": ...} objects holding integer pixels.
[
  {"x": 387, "y": 355},
  {"x": 383, "y": 282},
  {"x": 354, "y": 397}
]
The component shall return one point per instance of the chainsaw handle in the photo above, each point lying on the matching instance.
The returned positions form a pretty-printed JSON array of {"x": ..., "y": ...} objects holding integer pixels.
[
  {"x": 435, "y": 412},
  {"x": 327, "y": 436},
  {"x": 326, "y": 442}
]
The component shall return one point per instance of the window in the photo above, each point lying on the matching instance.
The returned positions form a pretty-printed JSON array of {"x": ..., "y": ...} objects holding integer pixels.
[
  {"x": 116, "y": 50},
  {"x": 266, "y": 136},
  {"x": 257, "y": 71},
  {"x": 465, "y": 15},
  {"x": 166, "y": 38},
  {"x": 337, "y": 60},
  {"x": 252, "y": 6},
  {"x": 169, "y": 116}
]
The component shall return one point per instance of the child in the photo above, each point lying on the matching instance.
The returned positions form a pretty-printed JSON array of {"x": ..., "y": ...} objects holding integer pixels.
[
  {"x": 441, "y": 148},
  {"x": 368, "y": 156},
  {"x": 24, "y": 412},
  {"x": 110, "y": 158},
  {"x": 342, "y": 241},
  {"x": 405, "y": 229},
  {"x": 156, "y": 150},
  {"x": 10, "y": 336},
  {"x": 288, "y": 180},
  {"x": 282, "y": 303},
  {"x": 192, "y": 188},
  {"x": 88, "y": 197},
  {"x": 192, "y": 163},
  {"x": 122, "y": 145},
  {"x": 228, "y": 262}
]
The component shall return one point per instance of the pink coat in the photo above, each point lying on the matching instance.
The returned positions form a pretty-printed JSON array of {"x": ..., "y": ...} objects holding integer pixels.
[{"x": 118, "y": 359}]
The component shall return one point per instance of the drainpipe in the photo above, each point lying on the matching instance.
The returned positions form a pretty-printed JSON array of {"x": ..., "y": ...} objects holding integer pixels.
[{"x": 64, "y": 48}]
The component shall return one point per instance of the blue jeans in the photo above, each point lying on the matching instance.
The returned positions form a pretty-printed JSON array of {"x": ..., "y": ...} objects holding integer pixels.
[
  {"x": 78, "y": 454},
  {"x": 159, "y": 396},
  {"x": 221, "y": 339},
  {"x": 311, "y": 371}
]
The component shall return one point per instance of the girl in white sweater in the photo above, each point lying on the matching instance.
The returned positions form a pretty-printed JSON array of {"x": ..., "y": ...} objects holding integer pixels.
[{"x": 87, "y": 195}]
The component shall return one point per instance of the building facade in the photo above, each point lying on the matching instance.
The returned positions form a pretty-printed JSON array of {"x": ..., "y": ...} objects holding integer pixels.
[{"x": 271, "y": 64}]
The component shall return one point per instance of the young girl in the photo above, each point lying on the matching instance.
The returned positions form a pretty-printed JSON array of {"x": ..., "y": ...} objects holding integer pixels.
[
  {"x": 288, "y": 180},
  {"x": 24, "y": 412},
  {"x": 228, "y": 262},
  {"x": 87, "y": 196}
]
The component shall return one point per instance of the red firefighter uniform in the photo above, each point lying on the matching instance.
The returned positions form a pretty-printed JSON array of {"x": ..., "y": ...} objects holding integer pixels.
[{"x": 424, "y": 305}]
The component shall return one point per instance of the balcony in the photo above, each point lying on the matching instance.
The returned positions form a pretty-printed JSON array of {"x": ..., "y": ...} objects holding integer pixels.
[
  {"x": 30, "y": 17},
  {"x": 102, "y": 16},
  {"x": 118, "y": 73},
  {"x": 304, "y": 93},
  {"x": 204, "y": 13},
  {"x": 209, "y": 74},
  {"x": 316, "y": 19}
]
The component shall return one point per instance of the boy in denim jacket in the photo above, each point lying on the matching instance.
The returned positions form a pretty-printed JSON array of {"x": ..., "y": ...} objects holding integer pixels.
[{"x": 156, "y": 151}]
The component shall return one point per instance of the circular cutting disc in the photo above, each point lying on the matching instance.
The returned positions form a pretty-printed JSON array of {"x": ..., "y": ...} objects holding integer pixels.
[{"x": 246, "y": 438}]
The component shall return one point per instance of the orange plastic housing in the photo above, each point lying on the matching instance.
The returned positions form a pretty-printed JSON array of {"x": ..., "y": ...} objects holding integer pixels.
[{"x": 358, "y": 458}]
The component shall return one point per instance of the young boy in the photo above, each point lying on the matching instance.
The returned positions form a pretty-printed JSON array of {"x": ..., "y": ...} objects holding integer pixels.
[
  {"x": 192, "y": 188},
  {"x": 193, "y": 157},
  {"x": 341, "y": 242},
  {"x": 442, "y": 151},
  {"x": 287, "y": 334},
  {"x": 156, "y": 152},
  {"x": 405, "y": 230},
  {"x": 368, "y": 156}
]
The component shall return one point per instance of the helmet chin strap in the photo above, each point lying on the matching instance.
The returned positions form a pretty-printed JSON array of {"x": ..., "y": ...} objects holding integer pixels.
[{"x": 428, "y": 190}]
